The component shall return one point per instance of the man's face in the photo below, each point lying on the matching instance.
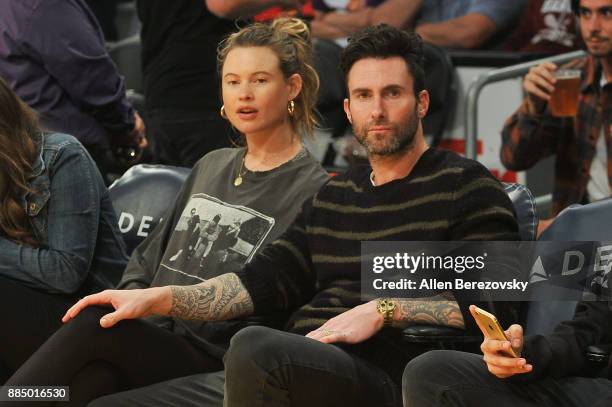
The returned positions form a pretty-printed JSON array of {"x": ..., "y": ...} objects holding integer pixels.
[
  {"x": 382, "y": 107},
  {"x": 596, "y": 26}
]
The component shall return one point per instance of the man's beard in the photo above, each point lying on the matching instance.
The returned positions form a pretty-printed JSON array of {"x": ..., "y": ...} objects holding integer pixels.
[
  {"x": 597, "y": 53},
  {"x": 402, "y": 139}
]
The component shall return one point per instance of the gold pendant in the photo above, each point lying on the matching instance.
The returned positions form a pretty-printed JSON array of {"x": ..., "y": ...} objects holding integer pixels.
[{"x": 238, "y": 181}]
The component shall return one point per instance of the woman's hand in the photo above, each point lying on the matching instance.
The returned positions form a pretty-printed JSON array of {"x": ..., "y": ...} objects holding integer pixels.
[{"x": 128, "y": 304}]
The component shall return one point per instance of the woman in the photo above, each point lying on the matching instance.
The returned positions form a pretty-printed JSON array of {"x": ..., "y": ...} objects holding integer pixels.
[
  {"x": 58, "y": 231},
  {"x": 269, "y": 89}
]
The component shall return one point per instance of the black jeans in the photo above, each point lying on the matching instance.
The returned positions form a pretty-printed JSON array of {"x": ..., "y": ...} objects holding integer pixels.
[
  {"x": 181, "y": 137},
  {"x": 266, "y": 367},
  {"x": 95, "y": 361},
  {"x": 458, "y": 379},
  {"x": 27, "y": 318}
]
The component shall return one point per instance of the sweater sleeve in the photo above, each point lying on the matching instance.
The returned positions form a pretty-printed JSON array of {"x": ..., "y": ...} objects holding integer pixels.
[
  {"x": 483, "y": 212},
  {"x": 563, "y": 353},
  {"x": 282, "y": 276}
]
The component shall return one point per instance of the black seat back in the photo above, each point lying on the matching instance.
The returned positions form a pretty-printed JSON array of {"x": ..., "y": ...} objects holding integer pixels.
[
  {"x": 142, "y": 196},
  {"x": 525, "y": 209},
  {"x": 439, "y": 81},
  {"x": 592, "y": 222}
]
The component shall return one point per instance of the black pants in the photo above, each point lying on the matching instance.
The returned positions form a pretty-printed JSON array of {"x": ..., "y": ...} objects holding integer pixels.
[
  {"x": 95, "y": 361},
  {"x": 201, "y": 390},
  {"x": 181, "y": 137},
  {"x": 458, "y": 379},
  {"x": 27, "y": 318},
  {"x": 266, "y": 367}
]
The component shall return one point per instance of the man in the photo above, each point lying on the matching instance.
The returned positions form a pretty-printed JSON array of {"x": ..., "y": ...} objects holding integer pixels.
[
  {"x": 582, "y": 145},
  {"x": 449, "y": 23},
  {"x": 549, "y": 370},
  {"x": 52, "y": 54},
  {"x": 410, "y": 193},
  {"x": 179, "y": 49}
]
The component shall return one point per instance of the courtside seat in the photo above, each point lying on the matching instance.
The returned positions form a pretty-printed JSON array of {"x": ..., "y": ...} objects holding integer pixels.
[
  {"x": 142, "y": 196},
  {"x": 525, "y": 209},
  {"x": 576, "y": 223}
]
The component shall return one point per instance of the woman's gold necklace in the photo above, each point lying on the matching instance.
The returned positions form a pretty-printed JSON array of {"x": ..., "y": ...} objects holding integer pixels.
[{"x": 238, "y": 179}]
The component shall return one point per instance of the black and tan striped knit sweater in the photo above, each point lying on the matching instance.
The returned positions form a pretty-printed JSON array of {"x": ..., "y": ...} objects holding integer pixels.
[{"x": 314, "y": 268}]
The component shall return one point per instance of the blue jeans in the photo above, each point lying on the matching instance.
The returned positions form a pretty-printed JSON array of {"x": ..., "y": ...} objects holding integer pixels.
[
  {"x": 266, "y": 367},
  {"x": 459, "y": 379},
  {"x": 81, "y": 250}
]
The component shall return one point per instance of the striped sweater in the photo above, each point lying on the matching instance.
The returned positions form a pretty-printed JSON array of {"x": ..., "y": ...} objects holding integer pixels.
[{"x": 314, "y": 268}]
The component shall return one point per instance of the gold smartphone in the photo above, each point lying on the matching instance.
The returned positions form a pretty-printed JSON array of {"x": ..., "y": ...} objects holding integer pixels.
[{"x": 490, "y": 328}]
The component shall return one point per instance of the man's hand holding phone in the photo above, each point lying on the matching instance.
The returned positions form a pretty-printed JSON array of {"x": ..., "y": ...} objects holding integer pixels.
[{"x": 501, "y": 354}]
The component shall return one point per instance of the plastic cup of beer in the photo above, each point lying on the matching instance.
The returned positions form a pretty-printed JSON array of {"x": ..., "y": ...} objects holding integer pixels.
[{"x": 564, "y": 99}]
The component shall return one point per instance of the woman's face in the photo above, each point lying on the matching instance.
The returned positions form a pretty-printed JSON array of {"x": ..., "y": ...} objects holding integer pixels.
[{"x": 255, "y": 91}]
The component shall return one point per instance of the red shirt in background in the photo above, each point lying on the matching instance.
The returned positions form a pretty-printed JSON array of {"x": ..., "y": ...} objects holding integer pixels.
[{"x": 547, "y": 26}]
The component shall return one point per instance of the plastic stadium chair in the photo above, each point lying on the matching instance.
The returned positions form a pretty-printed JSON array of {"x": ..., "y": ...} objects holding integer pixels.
[
  {"x": 440, "y": 82},
  {"x": 141, "y": 198},
  {"x": 576, "y": 223}
]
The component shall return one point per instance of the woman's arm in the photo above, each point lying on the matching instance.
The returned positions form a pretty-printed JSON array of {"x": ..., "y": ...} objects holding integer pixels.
[
  {"x": 72, "y": 225},
  {"x": 220, "y": 298}
]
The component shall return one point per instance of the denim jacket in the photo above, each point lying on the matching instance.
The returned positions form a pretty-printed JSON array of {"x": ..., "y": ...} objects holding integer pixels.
[{"x": 81, "y": 249}]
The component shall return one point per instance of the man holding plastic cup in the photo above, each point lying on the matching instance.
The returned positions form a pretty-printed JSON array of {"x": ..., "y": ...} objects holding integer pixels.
[{"x": 567, "y": 112}]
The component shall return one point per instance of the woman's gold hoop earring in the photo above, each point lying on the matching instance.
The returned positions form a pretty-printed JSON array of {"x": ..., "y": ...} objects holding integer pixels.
[
  {"x": 291, "y": 107},
  {"x": 222, "y": 112}
]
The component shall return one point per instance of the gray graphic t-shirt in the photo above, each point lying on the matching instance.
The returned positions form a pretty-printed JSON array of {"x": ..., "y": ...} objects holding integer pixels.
[
  {"x": 216, "y": 227},
  {"x": 213, "y": 237}
]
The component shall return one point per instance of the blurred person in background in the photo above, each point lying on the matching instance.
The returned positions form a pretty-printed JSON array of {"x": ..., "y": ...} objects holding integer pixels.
[
  {"x": 546, "y": 26},
  {"x": 446, "y": 23},
  {"x": 53, "y": 55},
  {"x": 469, "y": 24},
  {"x": 582, "y": 144}
]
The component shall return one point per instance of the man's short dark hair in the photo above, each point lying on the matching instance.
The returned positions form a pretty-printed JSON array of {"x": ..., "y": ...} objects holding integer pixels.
[{"x": 383, "y": 41}]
